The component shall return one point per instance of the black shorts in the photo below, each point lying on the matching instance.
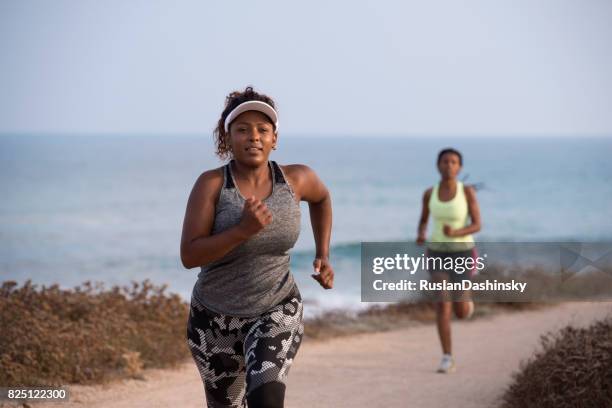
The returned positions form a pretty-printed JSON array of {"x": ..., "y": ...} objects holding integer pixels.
[{"x": 459, "y": 265}]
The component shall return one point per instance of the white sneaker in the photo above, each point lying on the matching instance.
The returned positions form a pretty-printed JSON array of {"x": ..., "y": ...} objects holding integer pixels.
[{"x": 447, "y": 365}]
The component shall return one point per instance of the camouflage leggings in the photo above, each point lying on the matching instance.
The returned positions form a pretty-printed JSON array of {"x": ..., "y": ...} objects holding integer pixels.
[{"x": 231, "y": 352}]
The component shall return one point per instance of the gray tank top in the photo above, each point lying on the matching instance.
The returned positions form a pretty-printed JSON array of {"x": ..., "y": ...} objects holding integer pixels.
[{"x": 254, "y": 276}]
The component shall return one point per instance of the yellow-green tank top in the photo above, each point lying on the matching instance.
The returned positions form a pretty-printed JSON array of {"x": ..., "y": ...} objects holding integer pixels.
[{"x": 454, "y": 213}]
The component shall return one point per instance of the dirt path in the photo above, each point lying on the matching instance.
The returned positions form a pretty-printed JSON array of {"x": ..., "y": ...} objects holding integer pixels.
[{"x": 391, "y": 369}]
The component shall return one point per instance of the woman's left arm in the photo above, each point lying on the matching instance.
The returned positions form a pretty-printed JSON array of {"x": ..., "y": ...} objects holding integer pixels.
[
  {"x": 308, "y": 187},
  {"x": 474, "y": 210}
]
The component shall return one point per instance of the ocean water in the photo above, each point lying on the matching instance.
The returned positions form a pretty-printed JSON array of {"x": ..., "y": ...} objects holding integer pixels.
[{"x": 110, "y": 207}]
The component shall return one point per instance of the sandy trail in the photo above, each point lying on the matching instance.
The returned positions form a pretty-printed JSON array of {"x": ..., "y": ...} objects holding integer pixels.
[{"x": 389, "y": 369}]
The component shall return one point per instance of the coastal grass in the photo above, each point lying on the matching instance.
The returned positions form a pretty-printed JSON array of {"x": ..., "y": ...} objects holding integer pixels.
[
  {"x": 394, "y": 316},
  {"x": 89, "y": 334},
  {"x": 573, "y": 368}
]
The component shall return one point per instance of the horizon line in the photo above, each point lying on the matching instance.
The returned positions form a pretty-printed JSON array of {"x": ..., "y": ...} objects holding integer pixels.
[{"x": 478, "y": 135}]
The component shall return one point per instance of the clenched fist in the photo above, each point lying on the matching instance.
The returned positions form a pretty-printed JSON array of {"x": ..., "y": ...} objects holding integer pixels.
[
  {"x": 255, "y": 216},
  {"x": 324, "y": 272},
  {"x": 448, "y": 231}
]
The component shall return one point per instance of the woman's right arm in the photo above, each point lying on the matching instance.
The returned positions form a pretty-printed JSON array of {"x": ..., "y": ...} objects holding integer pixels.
[
  {"x": 198, "y": 246},
  {"x": 424, "y": 216}
]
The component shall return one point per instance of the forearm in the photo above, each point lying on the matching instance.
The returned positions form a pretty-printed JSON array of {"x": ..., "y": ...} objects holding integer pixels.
[
  {"x": 470, "y": 229},
  {"x": 422, "y": 229},
  {"x": 321, "y": 220},
  {"x": 204, "y": 250}
]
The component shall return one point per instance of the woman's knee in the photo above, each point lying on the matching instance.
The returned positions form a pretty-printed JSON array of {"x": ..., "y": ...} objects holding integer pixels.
[
  {"x": 268, "y": 395},
  {"x": 461, "y": 310}
]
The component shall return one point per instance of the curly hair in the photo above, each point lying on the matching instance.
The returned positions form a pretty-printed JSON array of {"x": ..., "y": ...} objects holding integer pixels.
[
  {"x": 231, "y": 101},
  {"x": 450, "y": 150}
]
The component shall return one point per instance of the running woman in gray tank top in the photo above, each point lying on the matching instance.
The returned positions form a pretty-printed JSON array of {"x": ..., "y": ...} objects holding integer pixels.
[{"x": 245, "y": 323}]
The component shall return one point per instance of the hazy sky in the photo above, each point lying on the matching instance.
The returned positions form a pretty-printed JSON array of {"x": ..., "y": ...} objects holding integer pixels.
[{"x": 334, "y": 67}]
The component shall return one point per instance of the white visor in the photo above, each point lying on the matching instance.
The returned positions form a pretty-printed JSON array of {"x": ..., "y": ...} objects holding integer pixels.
[{"x": 252, "y": 106}]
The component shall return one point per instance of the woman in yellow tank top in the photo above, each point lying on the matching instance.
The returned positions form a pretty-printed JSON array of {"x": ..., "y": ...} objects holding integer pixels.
[{"x": 451, "y": 204}]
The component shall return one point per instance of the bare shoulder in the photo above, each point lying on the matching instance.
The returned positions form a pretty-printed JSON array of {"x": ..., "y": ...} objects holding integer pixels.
[
  {"x": 427, "y": 193},
  {"x": 297, "y": 173},
  {"x": 209, "y": 184},
  {"x": 469, "y": 190},
  {"x": 305, "y": 183}
]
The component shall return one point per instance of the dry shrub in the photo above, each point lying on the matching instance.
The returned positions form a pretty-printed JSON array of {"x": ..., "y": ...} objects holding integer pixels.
[
  {"x": 52, "y": 336},
  {"x": 573, "y": 369},
  {"x": 133, "y": 364},
  {"x": 395, "y": 316},
  {"x": 547, "y": 285}
]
